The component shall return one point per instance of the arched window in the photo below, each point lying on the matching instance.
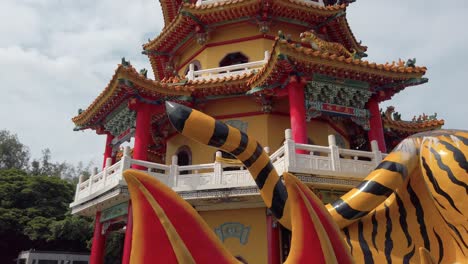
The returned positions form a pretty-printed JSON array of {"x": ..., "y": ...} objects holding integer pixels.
[
  {"x": 233, "y": 58},
  {"x": 184, "y": 157},
  {"x": 196, "y": 66},
  {"x": 340, "y": 141}
]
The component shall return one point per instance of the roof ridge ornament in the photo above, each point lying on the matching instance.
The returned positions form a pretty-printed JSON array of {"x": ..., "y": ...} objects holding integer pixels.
[
  {"x": 144, "y": 72},
  {"x": 125, "y": 63},
  {"x": 391, "y": 114},
  {"x": 411, "y": 63}
]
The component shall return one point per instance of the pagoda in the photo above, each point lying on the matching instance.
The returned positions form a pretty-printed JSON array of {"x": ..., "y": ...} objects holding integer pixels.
[{"x": 288, "y": 72}]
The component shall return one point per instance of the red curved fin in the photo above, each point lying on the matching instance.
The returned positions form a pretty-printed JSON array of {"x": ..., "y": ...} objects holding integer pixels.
[
  {"x": 166, "y": 228},
  {"x": 314, "y": 234}
]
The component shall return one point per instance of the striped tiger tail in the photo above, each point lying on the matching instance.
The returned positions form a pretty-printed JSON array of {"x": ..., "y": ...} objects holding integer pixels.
[
  {"x": 206, "y": 130},
  {"x": 389, "y": 175}
]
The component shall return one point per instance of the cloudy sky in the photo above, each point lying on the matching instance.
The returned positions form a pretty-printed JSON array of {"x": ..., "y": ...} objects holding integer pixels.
[{"x": 57, "y": 55}]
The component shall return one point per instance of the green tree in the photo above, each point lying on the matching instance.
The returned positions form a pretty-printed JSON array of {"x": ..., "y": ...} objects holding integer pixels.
[
  {"x": 71, "y": 233},
  {"x": 114, "y": 248},
  {"x": 13, "y": 154},
  {"x": 34, "y": 214},
  {"x": 34, "y": 211},
  {"x": 64, "y": 170},
  {"x": 45, "y": 166}
]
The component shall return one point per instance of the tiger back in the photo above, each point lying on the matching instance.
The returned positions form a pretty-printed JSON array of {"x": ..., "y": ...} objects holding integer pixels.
[{"x": 428, "y": 210}]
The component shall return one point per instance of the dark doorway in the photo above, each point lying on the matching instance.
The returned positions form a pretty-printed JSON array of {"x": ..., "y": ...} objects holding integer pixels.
[
  {"x": 233, "y": 58},
  {"x": 184, "y": 158}
]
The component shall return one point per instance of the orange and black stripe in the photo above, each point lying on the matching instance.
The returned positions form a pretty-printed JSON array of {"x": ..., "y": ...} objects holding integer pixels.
[
  {"x": 414, "y": 200},
  {"x": 374, "y": 189},
  {"x": 206, "y": 130}
]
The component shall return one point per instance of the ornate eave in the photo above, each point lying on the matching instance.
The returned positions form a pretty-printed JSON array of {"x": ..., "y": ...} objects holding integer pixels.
[
  {"x": 192, "y": 18},
  {"x": 216, "y": 12},
  {"x": 391, "y": 121},
  {"x": 332, "y": 60},
  {"x": 235, "y": 84},
  {"x": 170, "y": 9},
  {"x": 385, "y": 79},
  {"x": 190, "y": 15},
  {"x": 293, "y": 9},
  {"x": 332, "y": 18},
  {"x": 159, "y": 49},
  {"x": 309, "y": 15},
  {"x": 125, "y": 82}
]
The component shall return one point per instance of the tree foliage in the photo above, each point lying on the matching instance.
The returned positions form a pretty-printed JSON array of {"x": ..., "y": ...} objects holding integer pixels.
[
  {"x": 114, "y": 248},
  {"x": 64, "y": 170},
  {"x": 34, "y": 214},
  {"x": 34, "y": 204},
  {"x": 13, "y": 154}
]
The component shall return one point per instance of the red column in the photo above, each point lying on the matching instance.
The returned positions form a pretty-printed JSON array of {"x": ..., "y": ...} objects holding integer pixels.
[
  {"x": 297, "y": 110},
  {"x": 128, "y": 236},
  {"x": 273, "y": 240},
  {"x": 142, "y": 132},
  {"x": 99, "y": 242},
  {"x": 376, "y": 131},
  {"x": 108, "y": 149}
]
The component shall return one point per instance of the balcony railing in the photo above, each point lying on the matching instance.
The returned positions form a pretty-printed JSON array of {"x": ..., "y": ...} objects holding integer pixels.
[
  {"x": 207, "y": 2},
  {"x": 330, "y": 161},
  {"x": 221, "y": 72}
]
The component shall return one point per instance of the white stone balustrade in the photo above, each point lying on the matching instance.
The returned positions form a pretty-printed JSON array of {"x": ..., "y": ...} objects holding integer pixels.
[
  {"x": 331, "y": 160},
  {"x": 321, "y": 160},
  {"x": 221, "y": 72}
]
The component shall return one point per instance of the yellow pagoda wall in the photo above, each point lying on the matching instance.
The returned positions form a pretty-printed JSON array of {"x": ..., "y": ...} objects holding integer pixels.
[
  {"x": 268, "y": 129},
  {"x": 317, "y": 131},
  {"x": 254, "y": 250},
  {"x": 254, "y": 49},
  {"x": 201, "y": 153},
  {"x": 231, "y": 106}
]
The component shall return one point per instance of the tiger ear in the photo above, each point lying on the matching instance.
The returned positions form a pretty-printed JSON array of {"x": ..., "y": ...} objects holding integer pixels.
[{"x": 314, "y": 233}]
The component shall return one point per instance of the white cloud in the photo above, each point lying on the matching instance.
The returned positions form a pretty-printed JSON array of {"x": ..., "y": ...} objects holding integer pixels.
[
  {"x": 56, "y": 56},
  {"x": 19, "y": 24},
  {"x": 432, "y": 32}
]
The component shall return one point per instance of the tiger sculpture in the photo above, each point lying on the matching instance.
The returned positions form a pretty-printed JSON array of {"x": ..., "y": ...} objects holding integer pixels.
[
  {"x": 412, "y": 208},
  {"x": 319, "y": 44}
]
